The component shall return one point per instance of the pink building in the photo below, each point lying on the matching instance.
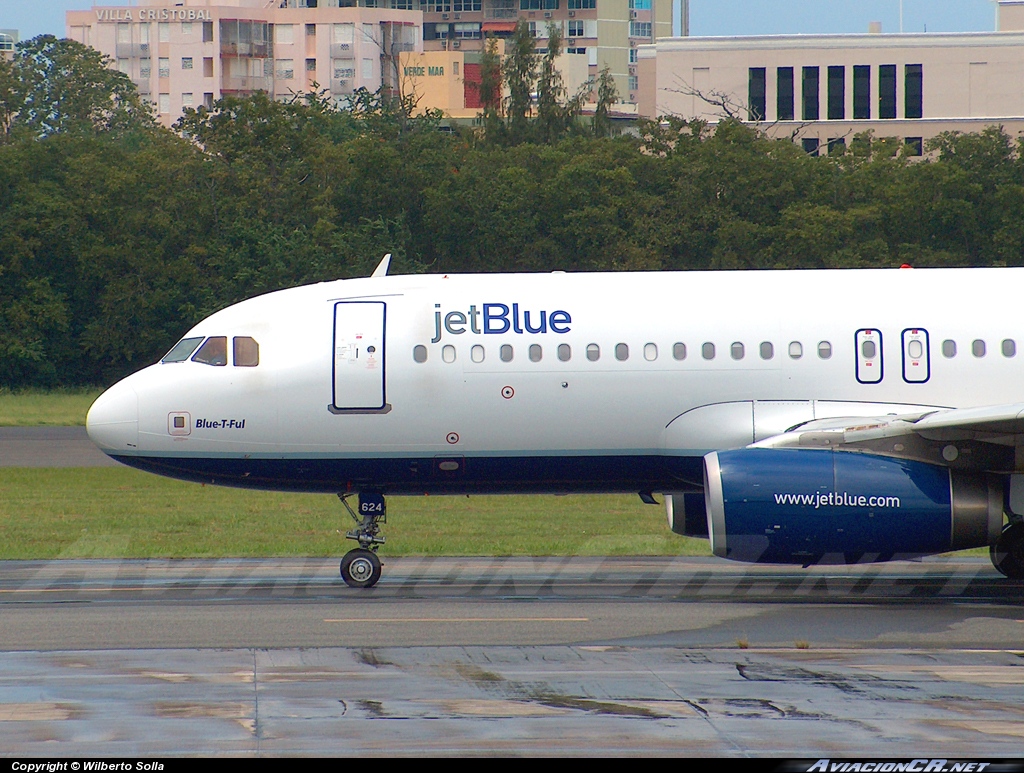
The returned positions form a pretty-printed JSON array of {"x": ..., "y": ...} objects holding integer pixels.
[{"x": 187, "y": 53}]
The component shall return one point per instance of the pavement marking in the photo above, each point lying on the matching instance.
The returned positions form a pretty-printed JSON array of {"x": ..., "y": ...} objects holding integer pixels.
[{"x": 457, "y": 620}]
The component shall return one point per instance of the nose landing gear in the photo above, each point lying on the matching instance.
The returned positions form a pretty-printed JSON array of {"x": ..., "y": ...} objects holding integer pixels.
[{"x": 360, "y": 568}]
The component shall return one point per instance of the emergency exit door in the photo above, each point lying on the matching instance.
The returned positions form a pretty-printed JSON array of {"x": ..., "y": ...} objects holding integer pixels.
[{"x": 359, "y": 376}]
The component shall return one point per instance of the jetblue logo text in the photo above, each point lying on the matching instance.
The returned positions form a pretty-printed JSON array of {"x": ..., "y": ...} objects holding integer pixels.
[
  {"x": 498, "y": 318},
  {"x": 835, "y": 499},
  {"x": 220, "y": 423}
]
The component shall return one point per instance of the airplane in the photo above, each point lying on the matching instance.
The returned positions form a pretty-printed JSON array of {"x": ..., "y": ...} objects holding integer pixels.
[{"x": 792, "y": 417}]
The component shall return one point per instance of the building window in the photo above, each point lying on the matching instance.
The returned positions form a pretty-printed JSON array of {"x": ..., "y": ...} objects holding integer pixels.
[
  {"x": 467, "y": 30},
  {"x": 913, "y": 91},
  {"x": 163, "y": 31},
  {"x": 810, "y": 94},
  {"x": 186, "y": 99},
  {"x": 861, "y": 91},
  {"x": 344, "y": 68},
  {"x": 367, "y": 69},
  {"x": 311, "y": 65},
  {"x": 207, "y": 66},
  {"x": 165, "y": 67},
  {"x": 639, "y": 5},
  {"x": 186, "y": 63},
  {"x": 311, "y": 30},
  {"x": 145, "y": 67},
  {"x": 457, "y": 5},
  {"x": 836, "y": 92},
  {"x": 207, "y": 31},
  {"x": 887, "y": 91},
  {"x": 208, "y": 100},
  {"x": 915, "y": 146},
  {"x": 186, "y": 28},
  {"x": 810, "y": 145},
  {"x": 285, "y": 69},
  {"x": 164, "y": 103},
  {"x": 837, "y": 146},
  {"x": 124, "y": 65},
  {"x": 343, "y": 34},
  {"x": 756, "y": 94},
  {"x": 124, "y": 33},
  {"x": 579, "y": 5},
  {"x": 639, "y": 29},
  {"x": 576, "y": 31},
  {"x": 634, "y": 82},
  {"x": 284, "y": 33},
  {"x": 784, "y": 105}
]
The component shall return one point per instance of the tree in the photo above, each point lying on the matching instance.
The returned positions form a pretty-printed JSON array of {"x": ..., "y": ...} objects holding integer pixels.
[
  {"x": 61, "y": 86},
  {"x": 607, "y": 95},
  {"x": 520, "y": 73}
]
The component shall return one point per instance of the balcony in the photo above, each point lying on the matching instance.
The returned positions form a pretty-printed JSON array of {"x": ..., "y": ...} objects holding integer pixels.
[{"x": 246, "y": 83}]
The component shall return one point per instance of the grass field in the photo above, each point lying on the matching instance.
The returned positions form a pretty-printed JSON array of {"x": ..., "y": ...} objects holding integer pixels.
[
  {"x": 34, "y": 408},
  {"x": 113, "y": 512}
]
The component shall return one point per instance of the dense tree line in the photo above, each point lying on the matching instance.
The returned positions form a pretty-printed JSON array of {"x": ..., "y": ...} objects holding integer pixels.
[{"x": 116, "y": 235}]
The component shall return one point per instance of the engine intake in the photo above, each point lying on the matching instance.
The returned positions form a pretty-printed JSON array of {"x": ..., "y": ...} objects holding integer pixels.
[{"x": 809, "y": 506}]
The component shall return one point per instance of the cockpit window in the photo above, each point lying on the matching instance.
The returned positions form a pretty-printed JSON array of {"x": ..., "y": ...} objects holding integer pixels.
[
  {"x": 246, "y": 352},
  {"x": 181, "y": 350},
  {"x": 213, "y": 352}
]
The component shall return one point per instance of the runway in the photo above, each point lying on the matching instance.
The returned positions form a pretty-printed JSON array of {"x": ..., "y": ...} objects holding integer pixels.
[{"x": 554, "y": 656}]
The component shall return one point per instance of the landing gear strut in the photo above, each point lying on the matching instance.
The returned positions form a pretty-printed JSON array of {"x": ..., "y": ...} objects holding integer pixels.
[
  {"x": 1008, "y": 552},
  {"x": 360, "y": 568}
]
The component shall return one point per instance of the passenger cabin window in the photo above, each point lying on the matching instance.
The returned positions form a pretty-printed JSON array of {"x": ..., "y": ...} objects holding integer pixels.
[
  {"x": 796, "y": 350},
  {"x": 419, "y": 353},
  {"x": 737, "y": 350},
  {"x": 978, "y": 348},
  {"x": 1009, "y": 347},
  {"x": 564, "y": 352},
  {"x": 593, "y": 352},
  {"x": 506, "y": 353},
  {"x": 707, "y": 351},
  {"x": 246, "y": 352},
  {"x": 824, "y": 350},
  {"x": 476, "y": 354},
  {"x": 448, "y": 353},
  {"x": 767, "y": 350},
  {"x": 868, "y": 350},
  {"x": 679, "y": 351},
  {"x": 949, "y": 349},
  {"x": 182, "y": 350},
  {"x": 650, "y": 352},
  {"x": 213, "y": 352},
  {"x": 536, "y": 353},
  {"x": 621, "y": 352}
]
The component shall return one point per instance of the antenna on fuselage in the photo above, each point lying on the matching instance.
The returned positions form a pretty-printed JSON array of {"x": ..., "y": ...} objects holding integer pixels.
[{"x": 382, "y": 267}]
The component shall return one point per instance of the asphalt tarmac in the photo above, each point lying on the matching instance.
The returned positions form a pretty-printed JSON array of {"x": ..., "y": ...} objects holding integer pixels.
[{"x": 511, "y": 657}]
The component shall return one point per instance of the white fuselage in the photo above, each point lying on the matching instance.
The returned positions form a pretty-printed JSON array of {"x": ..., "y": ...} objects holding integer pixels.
[{"x": 323, "y": 414}]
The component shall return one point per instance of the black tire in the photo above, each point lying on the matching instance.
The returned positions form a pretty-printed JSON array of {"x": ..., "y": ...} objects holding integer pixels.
[
  {"x": 1008, "y": 552},
  {"x": 360, "y": 568}
]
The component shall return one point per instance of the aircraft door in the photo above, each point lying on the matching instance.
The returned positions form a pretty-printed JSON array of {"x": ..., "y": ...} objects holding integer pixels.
[
  {"x": 358, "y": 363},
  {"x": 916, "y": 356}
]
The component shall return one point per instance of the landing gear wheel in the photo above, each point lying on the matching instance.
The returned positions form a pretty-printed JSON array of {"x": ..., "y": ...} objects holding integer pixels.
[
  {"x": 1008, "y": 552},
  {"x": 360, "y": 568}
]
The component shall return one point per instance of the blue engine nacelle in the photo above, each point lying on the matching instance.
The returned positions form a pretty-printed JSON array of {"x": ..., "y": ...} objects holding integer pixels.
[{"x": 809, "y": 506}]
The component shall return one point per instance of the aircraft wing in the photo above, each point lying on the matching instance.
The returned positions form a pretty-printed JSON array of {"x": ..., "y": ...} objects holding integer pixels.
[{"x": 981, "y": 438}]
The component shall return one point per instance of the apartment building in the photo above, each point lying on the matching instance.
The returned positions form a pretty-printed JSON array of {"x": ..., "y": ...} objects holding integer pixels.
[
  {"x": 8, "y": 39},
  {"x": 190, "y": 52}
]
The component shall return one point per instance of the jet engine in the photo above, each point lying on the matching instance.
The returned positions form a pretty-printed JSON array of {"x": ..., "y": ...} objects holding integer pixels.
[{"x": 810, "y": 506}]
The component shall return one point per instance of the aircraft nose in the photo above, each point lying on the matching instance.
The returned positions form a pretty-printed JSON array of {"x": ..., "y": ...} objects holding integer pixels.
[{"x": 113, "y": 420}]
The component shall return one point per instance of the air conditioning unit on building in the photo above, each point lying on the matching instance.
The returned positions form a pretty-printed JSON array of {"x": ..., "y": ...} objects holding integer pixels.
[
  {"x": 632, "y": 71},
  {"x": 632, "y": 14},
  {"x": 572, "y": 14},
  {"x": 456, "y": 43},
  {"x": 458, "y": 16},
  {"x": 547, "y": 14},
  {"x": 571, "y": 42},
  {"x": 444, "y": 16}
]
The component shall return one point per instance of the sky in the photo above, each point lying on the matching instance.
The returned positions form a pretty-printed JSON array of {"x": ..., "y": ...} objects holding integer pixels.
[{"x": 707, "y": 17}]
